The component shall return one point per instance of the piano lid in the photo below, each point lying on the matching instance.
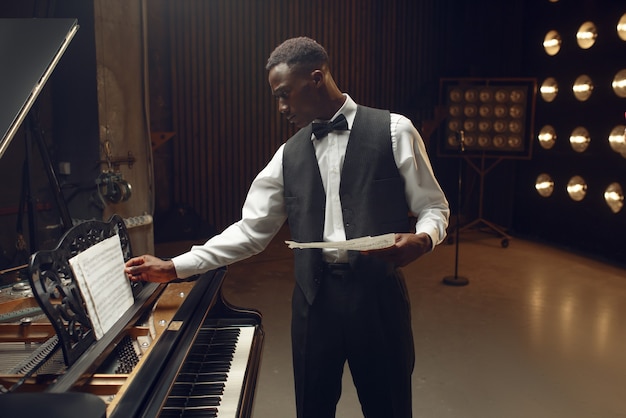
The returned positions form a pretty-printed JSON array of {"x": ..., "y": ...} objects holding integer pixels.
[{"x": 29, "y": 51}]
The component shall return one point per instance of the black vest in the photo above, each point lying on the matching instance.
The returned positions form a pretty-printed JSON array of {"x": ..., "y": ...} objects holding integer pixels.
[{"x": 371, "y": 192}]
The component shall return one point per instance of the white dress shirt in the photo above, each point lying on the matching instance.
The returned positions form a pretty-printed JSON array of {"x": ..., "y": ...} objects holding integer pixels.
[{"x": 263, "y": 212}]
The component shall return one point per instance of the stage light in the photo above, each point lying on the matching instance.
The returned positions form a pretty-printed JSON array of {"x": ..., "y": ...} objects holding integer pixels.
[
  {"x": 549, "y": 89},
  {"x": 577, "y": 188},
  {"x": 617, "y": 139},
  {"x": 547, "y": 137},
  {"x": 621, "y": 27},
  {"x": 579, "y": 139},
  {"x": 544, "y": 185},
  {"x": 552, "y": 43},
  {"x": 583, "y": 87},
  {"x": 586, "y": 35},
  {"x": 619, "y": 83},
  {"x": 614, "y": 197}
]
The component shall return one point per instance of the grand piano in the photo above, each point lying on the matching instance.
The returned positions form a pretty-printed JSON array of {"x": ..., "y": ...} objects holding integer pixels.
[{"x": 180, "y": 349}]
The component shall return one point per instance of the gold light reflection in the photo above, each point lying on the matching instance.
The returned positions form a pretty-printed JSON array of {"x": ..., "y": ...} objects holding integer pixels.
[
  {"x": 577, "y": 188},
  {"x": 552, "y": 43},
  {"x": 583, "y": 87},
  {"x": 621, "y": 27},
  {"x": 547, "y": 137},
  {"x": 549, "y": 89},
  {"x": 619, "y": 83},
  {"x": 544, "y": 185},
  {"x": 603, "y": 329},
  {"x": 567, "y": 322},
  {"x": 614, "y": 197},
  {"x": 586, "y": 35},
  {"x": 579, "y": 139},
  {"x": 617, "y": 139}
]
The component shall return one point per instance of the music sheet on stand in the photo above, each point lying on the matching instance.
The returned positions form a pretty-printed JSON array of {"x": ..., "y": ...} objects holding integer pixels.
[{"x": 99, "y": 271}]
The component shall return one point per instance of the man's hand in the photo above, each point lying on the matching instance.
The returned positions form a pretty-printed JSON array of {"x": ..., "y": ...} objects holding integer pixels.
[
  {"x": 150, "y": 269},
  {"x": 408, "y": 248}
]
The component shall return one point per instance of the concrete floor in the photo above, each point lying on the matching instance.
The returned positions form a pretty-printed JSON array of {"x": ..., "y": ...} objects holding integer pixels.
[{"x": 538, "y": 332}]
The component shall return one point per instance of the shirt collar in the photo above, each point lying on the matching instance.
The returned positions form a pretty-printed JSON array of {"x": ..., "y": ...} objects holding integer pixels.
[{"x": 348, "y": 109}]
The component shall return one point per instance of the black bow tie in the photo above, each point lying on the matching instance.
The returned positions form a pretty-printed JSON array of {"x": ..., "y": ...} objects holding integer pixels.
[{"x": 320, "y": 130}]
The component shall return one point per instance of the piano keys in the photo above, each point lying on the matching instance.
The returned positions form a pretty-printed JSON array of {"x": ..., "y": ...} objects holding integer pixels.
[
  {"x": 211, "y": 378},
  {"x": 180, "y": 350}
]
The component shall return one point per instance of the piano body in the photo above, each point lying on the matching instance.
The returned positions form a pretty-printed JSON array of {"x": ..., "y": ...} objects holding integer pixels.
[{"x": 180, "y": 351}]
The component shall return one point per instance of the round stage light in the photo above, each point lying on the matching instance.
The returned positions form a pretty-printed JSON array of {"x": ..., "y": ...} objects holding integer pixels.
[
  {"x": 614, "y": 197},
  {"x": 549, "y": 89},
  {"x": 617, "y": 139},
  {"x": 583, "y": 87},
  {"x": 579, "y": 139},
  {"x": 485, "y": 111},
  {"x": 586, "y": 35},
  {"x": 552, "y": 43},
  {"x": 547, "y": 137},
  {"x": 577, "y": 188},
  {"x": 485, "y": 95},
  {"x": 619, "y": 83},
  {"x": 471, "y": 95},
  {"x": 544, "y": 185},
  {"x": 456, "y": 95},
  {"x": 621, "y": 27}
]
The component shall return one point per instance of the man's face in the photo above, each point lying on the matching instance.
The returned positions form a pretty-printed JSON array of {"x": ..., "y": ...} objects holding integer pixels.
[{"x": 296, "y": 94}]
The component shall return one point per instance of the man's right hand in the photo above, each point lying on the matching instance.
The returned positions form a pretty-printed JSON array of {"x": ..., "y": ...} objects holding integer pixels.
[{"x": 148, "y": 268}]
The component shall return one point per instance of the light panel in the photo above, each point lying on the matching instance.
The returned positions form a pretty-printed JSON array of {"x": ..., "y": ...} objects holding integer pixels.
[{"x": 494, "y": 115}]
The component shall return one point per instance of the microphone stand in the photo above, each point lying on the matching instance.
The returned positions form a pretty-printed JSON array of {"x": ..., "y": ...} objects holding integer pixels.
[{"x": 457, "y": 280}]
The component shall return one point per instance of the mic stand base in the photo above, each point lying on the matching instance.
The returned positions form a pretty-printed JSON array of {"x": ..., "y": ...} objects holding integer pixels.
[{"x": 455, "y": 281}]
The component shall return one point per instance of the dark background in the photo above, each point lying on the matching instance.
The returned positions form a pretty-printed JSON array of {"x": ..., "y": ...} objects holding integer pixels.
[{"x": 208, "y": 87}]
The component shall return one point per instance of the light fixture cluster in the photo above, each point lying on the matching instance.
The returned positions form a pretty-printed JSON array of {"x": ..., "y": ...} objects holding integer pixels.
[
  {"x": 580, "y": 91},
  {"x": 493, "y": 116}
]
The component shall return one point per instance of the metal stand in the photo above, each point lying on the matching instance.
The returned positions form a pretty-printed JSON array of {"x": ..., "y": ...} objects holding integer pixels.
[
  {"x": 457, "y": 280},
  {"x": 482, "y": 172}
]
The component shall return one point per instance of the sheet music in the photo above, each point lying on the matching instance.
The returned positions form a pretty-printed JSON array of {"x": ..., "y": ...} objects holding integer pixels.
[
  {"x": 357, "y": 244},
  {"x": 99, "y": 271}
]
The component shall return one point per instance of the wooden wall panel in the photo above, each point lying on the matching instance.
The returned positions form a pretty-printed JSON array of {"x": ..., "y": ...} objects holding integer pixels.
[{"x": 224, "y": 115}]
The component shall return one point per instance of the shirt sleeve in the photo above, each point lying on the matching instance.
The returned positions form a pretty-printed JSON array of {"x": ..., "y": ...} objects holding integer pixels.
[
  {"x": 424, "y": 195},
  {"x": 262, "y": 216}
]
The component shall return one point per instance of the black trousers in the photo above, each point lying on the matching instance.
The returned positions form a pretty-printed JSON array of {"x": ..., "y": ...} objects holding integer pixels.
[{"x": 365, "y": 321}]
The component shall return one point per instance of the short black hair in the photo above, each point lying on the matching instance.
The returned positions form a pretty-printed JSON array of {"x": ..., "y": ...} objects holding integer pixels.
[{"x": 301, "y": 51}]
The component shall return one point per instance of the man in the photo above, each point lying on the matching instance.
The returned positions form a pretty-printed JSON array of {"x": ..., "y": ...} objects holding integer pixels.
[{"x": 367, "y": 175}]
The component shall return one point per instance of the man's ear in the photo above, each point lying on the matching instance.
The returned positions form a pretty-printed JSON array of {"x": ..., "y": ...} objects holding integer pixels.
[{"x": 318, "y": 77}]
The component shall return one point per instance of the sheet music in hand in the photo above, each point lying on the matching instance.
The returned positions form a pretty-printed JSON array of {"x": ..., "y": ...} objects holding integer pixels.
[
  {"x": 99, "y": 271},
  {"x": 358, "y": 244}
]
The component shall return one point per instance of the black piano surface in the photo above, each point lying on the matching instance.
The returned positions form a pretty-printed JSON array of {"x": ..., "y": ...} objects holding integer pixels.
[{"x": 198, "y": 356}]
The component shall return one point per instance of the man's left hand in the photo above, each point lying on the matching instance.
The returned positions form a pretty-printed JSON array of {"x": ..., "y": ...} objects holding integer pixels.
[{"x": 408, "y": 248}]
